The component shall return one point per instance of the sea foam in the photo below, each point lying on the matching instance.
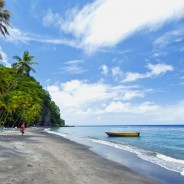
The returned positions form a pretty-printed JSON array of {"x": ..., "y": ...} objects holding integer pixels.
[
  {"x": 56, "y": 133},
  {"x": 153, "y": 157},
  {"x": 162, "y": 160}
]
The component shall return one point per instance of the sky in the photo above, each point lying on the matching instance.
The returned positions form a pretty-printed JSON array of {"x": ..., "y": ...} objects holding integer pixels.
[{"x": 104, "y": 61}]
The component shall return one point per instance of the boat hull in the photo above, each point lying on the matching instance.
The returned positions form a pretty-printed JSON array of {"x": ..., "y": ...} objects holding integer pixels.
[{"x": 123, "y": 134}]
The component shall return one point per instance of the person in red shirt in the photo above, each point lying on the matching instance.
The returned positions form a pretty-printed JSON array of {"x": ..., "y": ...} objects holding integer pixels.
[{"x": 22, "y": 128}]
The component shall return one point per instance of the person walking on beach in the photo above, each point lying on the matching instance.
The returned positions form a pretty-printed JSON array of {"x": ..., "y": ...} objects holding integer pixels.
[{"x": 22, "y": 128}]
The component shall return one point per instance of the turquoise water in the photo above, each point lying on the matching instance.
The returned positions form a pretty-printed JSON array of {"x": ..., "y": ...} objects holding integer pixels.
[{"x": 161, "y": 145}]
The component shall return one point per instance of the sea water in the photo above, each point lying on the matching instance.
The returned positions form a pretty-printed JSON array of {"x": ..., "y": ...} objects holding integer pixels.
[{"x": 161, "y": 145}]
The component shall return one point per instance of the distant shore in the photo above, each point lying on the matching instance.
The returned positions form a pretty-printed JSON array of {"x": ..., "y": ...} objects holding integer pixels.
[{"x": 40, "y": 158}]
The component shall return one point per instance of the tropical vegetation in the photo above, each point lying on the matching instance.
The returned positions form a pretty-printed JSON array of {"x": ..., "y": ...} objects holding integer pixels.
[
  {"x": 22, "y": 98},
  {"x": 4, "y": 19}
]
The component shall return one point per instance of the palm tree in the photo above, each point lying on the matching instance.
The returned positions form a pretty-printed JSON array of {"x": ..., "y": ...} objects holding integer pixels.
[
  {"x": 4, "y": 19},
  {"x": 22, "y": 66}
]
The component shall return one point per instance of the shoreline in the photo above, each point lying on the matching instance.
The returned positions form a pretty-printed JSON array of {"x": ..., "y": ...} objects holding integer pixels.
[
  {"x": 128, "y": 159},
  {"x": 39, "y": 157}
]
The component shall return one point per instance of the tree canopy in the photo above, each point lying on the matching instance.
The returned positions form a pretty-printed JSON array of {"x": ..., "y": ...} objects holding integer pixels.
[
  {"x": 4, "y": 19},
  {"x": 23, "y": 65},
  {"x": 26, "y": 102}
]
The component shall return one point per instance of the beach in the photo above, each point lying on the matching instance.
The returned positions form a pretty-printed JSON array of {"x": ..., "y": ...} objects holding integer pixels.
[{"x": 39, "y": 157}]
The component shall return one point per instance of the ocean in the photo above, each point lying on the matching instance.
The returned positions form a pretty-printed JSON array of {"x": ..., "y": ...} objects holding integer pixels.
[{"x": 162, "y": 146}]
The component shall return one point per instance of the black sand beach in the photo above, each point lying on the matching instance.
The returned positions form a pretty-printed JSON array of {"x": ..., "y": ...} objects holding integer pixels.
[{"x": 39, "y": 158}]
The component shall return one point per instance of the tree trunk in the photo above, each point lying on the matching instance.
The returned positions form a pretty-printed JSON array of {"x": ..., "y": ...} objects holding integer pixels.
[
  {"x": 6, "y": 118},
  {"x": 15, "y": 122},
  {"x": 2, "y": 115},
  {"x": 5, "y": 93}
]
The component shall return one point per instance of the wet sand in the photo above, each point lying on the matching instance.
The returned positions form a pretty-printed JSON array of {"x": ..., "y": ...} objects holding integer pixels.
[{"x": 40, "y": 158}]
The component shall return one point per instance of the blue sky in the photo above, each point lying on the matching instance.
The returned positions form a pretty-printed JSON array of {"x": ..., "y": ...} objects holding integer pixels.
[{"x": 104, "y": 61}]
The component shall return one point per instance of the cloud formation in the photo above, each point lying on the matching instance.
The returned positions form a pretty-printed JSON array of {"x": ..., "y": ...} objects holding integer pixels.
[
  {"x": 104, "y": 69},
  {"x": 17, "y": 36},
  {"x": 174, "y": 36},
  {"x": 82, "y": 97},
  {"x": 77, "y": 93},
  {"x": 73, "y": 67},
  {"x": 104, "y": 103},
  {"x": 155, "y": 70},
  {"x": 120, "y": 107},
  {"x": 105, "y": 23}
]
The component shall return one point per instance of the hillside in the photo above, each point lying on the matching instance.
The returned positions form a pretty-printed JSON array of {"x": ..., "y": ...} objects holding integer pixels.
[{"x": 23, "y": 99}]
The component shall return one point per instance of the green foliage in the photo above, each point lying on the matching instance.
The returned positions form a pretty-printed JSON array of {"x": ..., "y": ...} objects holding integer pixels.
[
  {"x": 26, "y": 102},
  {"x": 22, "y": 98},
  {"x": 23, "y": 64},
  {"x": 4, "y": 19},
  {"x": 55, "y": 114}
]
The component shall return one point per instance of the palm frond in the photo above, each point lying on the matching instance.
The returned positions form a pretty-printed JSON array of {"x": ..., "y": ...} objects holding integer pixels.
[
  {"x": 2, "y": 3},
  {"x": 2, "y": 31},
  {"x": 31, "y": 63},
  {"x": 4, "y": 19},
  {"x": 24, "y": 65},
  {"x": 32, "y": 69},
  {"x": 17, "y": 58},
  {"x": 14, "y": 65}
]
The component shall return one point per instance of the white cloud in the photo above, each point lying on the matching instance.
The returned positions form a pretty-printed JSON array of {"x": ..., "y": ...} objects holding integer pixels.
[
  {"x": 104, "y": 69},
  {"x": 120, "y": 107},
  {"x": 80, "y": 97},
  {"x": 155, "y": 70},
  {"x": 169, "y": 38},
  {"x": 159, "y": 69},
  {"x": 130, "y": 77},
  {"x": 159, "y": 53},
  {"x": 171, "y": 114},
  {"x": 4, "y": 58},
  {"x": 77, "y": 61},
  {"x": 129, "y": 95},
  {"x": 52, "y": 19},
  {"x": 53, "y": 89},
  {"x": 77, "y": 93},
  {"x": 117, "y": 107},
  {"x": 73, "y": 67},
  {"x": 17, "y": 36},
  {"x": 117, "y": 72},
  {"x": 89, "y": 103},
  {"x": 107, "y": 22}
]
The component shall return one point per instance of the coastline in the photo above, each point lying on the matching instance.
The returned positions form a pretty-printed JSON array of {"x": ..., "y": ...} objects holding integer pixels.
[
  {"x": 131, "y": 159},
  {"x": 39, "y": 157}
]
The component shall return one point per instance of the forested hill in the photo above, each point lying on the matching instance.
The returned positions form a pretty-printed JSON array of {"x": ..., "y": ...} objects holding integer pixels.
[{"x": 22, "y": 99}]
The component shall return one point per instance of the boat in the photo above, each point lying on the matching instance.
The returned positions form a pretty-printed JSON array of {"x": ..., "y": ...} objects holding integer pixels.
[{"x": 123, "y": 134}]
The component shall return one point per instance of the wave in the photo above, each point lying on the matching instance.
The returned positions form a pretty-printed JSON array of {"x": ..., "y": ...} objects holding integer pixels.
[
  {"x": 156, "y": 158},
  {"x": 56, "y": 133},
  {"x": 162, "y": 160}
]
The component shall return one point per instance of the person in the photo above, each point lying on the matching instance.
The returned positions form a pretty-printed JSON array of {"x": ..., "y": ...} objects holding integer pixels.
[{"x": 22, "y": 128}]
